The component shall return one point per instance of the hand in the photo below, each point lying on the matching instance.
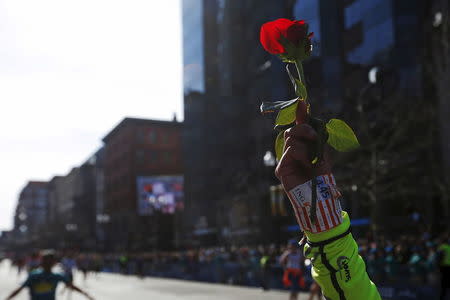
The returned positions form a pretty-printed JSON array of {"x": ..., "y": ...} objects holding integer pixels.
[
  {"x": 295, "y": 166},
  {"x": 295, "y": 170}
]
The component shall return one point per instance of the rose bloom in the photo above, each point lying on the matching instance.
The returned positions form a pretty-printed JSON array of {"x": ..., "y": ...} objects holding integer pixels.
[{"x": 271, "y": 32}]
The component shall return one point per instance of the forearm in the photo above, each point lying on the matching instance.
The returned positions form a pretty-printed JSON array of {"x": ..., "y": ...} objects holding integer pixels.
[
  {"x": 75, "y": 288},
  {"x": 14, "y": 293},
  {"x": 337, "y": 267}
]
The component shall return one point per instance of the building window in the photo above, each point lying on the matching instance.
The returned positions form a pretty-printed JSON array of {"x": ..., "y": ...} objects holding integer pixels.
[
  {"x": 167, "y": 157},
  {"x": 152, "y": 157},
  {"x": 139, "y": 156},
  {"x": 165, "y": 139},
  {"x": 152, "y": 137},
  {"x": 139, "y": 136}
]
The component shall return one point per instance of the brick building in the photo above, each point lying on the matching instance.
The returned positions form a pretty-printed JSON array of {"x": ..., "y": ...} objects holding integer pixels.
[{"x": 139, "y": 148}]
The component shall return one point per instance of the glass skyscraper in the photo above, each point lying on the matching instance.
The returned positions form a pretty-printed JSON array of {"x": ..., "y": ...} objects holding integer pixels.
[
  {"x": 193, "y": 58},
  {"x": 376, "y": 19},
  {"x": 309, "y": 11},
  {"x": 227, "y": 75}
]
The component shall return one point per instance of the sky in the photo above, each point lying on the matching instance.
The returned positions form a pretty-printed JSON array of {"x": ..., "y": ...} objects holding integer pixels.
[{"x": 70, "y": 71}]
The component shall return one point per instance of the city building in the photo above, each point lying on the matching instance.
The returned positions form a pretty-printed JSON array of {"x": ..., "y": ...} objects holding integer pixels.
[
  {"x": 31, "y": 214},
  {"x": 72, "y": 201},
  {"x": 369, "y": 66},
  {"x": 227, "y": 75},
  {"x": 6, "y": 239},
  {"x": 101, "y": 217},
  {"x": 142, "y": 163}
]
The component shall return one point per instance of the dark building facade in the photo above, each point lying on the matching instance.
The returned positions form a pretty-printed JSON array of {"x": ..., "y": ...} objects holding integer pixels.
[
  {"x": 225, "y": 137},
  {"x": 54, "y": 194},
  {"x": 369, "y": 68},
  {"x": 138, "y": 148},
  {"x": 101, "y": 217},
  {"x": 72, "y": 201},
  {"x": 31, "y": 217}
]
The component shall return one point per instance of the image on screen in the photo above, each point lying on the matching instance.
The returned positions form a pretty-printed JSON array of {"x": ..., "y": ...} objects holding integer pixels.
[{"x": 159, "y": 194}]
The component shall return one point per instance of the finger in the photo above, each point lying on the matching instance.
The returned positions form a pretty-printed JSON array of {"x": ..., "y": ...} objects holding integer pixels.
[
  {"x": 294, "y": 160},
  {"x": 289, "y": 172},
  {"x": 298, "y": 152},
  {"x": 301, "y": 131},
  {"x": 286, "y": 166}
]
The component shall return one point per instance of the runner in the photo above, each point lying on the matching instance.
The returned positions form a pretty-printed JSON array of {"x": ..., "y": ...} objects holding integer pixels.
[
  {"x": 68, "y": 264},
  {"x": 267, "y": 263},
  {"x": 337, "y": 267},
  {"x": 123, "y": 261},
  {"x": 19, "y": 262},
  {"x": 42, "y": 283},
  {"x": 292, "y": 261},
  {"x": 83, "y": 265},
  {"x": 33, "y": 262}
]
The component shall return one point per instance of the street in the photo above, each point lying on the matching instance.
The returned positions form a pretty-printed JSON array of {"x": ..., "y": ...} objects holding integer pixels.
[{"x": 118, "y": 287}]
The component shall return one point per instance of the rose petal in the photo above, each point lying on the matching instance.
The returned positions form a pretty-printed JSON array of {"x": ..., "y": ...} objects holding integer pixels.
[{"x": 270, "y": 35}]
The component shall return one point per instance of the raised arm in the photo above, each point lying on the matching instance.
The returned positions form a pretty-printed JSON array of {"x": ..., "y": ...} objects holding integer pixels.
[
  {"x": 337, "y": 266},
  {"x": 15, "y": 292},
  {"x": 75, "y": 288}
]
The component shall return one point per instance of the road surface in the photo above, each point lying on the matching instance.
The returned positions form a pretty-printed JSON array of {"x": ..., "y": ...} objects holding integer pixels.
[{"x": 119, "y": 287}]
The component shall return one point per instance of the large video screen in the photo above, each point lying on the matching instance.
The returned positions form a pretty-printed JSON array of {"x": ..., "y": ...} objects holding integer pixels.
[{"x": 160, "y": 193}]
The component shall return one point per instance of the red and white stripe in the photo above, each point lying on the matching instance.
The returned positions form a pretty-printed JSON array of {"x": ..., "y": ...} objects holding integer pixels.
[{"x": 328, "y": 209}]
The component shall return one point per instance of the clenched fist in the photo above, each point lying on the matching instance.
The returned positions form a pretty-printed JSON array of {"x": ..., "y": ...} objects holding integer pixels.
[{"x": 295, "y": 171}]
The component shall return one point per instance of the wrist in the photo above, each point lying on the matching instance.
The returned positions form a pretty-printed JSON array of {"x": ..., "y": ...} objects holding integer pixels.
[{"x": 328, "y": 208}]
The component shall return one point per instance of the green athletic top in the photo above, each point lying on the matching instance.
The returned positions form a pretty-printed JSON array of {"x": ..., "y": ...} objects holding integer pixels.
[{"x": 337, "y": 266}]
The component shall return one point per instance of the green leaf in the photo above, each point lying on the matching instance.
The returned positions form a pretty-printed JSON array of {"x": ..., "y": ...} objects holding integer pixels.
[
  {"x": 276, "y": 106},
  {"x": 340, "y": 136},
  {"x": 279, "y": 145},
  {"x": 286, "y": 115}
]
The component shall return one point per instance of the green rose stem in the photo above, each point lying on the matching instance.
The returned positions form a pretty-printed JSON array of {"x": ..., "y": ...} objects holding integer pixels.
[
  {"x": 299, "y": 66},
  {"x": 316, "y": 155}
]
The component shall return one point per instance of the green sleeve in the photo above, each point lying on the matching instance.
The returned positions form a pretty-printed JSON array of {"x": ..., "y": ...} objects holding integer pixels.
[{"x": 337, "y": 267}]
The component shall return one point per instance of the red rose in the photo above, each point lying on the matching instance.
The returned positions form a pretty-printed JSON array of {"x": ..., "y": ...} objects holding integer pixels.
[{"x": 271, "y": 33}]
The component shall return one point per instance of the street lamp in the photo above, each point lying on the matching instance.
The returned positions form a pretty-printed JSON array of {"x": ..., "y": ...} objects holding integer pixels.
[{"x": 269, "y": 159}]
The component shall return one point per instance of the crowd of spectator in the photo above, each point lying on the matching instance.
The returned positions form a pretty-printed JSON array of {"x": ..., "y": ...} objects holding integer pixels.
[{"x": 410, "y": 259}]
